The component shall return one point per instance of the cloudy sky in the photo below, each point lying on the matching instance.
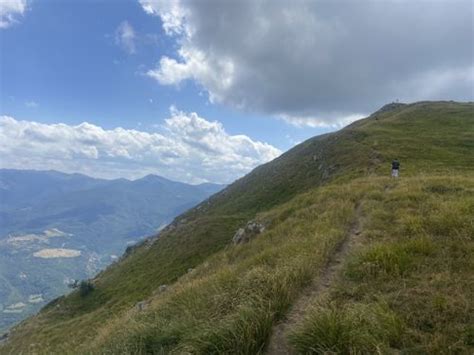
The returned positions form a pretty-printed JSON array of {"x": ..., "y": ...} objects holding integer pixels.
[{"x": 206, "y": 90}]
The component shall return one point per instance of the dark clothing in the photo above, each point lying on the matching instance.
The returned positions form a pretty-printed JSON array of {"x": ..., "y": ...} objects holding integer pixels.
[{"x": 395, "y": 165}]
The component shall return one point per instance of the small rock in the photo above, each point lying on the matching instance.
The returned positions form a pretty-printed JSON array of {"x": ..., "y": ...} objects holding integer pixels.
[
  {"x": 190, "y": 270},
  {"x": 141, "y": 306},
  {"x": 162, "y": 288}
]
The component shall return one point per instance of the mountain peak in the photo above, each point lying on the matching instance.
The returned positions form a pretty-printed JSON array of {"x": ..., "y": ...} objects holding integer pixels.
[
  {"x": 153, "y": 177},
  {"x": 390, "y": 107}
]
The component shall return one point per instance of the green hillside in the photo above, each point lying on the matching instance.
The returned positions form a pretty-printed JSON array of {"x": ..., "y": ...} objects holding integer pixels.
[{"x": 350, "y": 261}]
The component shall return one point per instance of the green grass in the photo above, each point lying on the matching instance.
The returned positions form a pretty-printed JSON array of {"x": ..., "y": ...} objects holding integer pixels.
[
  {"x": 352, "y": 329},
  {"x": 228, "y": 305},
  {"x": 416, "y": 258},
  {"x": 411, "y": 268}
]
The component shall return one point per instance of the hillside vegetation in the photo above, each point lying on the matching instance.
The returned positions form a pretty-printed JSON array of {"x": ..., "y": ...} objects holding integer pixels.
[{"x": 405, "y": 282}]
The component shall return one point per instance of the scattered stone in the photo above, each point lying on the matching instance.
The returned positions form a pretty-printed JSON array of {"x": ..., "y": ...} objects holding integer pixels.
[
  {"x": 190, "y": 270},
  {"x": 141, "y": 306},
  {"x": 244, "y": 235},
  {"x": 159, "y": 290}
]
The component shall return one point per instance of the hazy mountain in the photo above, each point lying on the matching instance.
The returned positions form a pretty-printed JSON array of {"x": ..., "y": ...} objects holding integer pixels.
[{"x": 55, "y": 227}]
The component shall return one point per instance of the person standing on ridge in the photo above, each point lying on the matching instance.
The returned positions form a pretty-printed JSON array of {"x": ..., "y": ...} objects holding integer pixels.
[{"x": 395, "y": 168}]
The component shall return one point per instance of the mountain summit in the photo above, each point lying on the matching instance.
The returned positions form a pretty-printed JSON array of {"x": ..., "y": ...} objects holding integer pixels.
[{"x": 345, "y": 259}]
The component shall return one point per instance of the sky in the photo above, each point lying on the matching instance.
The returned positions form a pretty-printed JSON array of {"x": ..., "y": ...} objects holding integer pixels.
[{"x": 207, "y": 90}]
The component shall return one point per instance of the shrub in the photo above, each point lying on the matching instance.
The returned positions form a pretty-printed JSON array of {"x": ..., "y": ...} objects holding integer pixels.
[{"x": 85, "y": 288}]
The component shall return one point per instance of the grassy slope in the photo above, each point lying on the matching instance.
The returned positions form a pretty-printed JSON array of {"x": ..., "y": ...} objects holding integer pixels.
[
  {"x": 408, "y": 284},
  {"x": 231, "y": 300}
]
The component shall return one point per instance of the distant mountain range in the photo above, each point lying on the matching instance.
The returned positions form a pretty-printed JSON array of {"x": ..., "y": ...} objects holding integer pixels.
[{"x": 55, "y": 227}]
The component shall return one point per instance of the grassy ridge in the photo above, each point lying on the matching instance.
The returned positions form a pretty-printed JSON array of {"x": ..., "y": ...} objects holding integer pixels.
[
  {"x": 409, "y": 285},
  {"x": 236, "y": 293}
]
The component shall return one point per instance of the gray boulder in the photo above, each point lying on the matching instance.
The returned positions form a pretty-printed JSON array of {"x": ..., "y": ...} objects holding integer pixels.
[{"x": 244, "y": 235}]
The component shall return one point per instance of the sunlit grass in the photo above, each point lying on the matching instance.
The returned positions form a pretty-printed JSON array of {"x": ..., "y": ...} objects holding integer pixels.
[
  {"x": 230, "y": 304},
  {"x": 416, "y": 257}
]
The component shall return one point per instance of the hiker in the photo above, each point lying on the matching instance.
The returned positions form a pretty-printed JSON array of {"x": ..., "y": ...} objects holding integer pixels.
[{"x": 395, "y": 168}]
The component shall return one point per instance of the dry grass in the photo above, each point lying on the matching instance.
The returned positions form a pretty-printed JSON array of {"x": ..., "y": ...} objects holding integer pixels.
[
  {"x": 229, "y": 304},
  {"x": 416, "y": 260}
]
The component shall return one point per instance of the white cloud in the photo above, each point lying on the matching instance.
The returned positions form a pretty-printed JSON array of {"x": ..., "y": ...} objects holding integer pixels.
[
  {"x": 171, "y": 12},
  {"x": 188, "y": 148},
  {"x": 10, "y": 11},
  {"x": 298, "y": 60},
  {"x": 335, "y": 121},
  {"x": 125, "y": 37}
]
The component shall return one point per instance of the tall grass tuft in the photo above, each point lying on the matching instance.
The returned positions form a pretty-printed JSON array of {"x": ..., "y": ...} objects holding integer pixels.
[{"x": 350, "y": 329}]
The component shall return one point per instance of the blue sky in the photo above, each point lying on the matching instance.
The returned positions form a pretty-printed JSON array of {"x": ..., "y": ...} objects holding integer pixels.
[
  {"x": 205, "y": 90},
  {"x": 62, "y": 64}
]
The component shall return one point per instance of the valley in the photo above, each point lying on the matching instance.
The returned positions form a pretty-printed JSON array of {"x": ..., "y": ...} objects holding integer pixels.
[{"x": 56, "y": 228}]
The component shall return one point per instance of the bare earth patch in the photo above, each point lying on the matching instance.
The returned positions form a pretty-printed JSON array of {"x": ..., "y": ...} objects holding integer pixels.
[{"x": 57, "y": 253}]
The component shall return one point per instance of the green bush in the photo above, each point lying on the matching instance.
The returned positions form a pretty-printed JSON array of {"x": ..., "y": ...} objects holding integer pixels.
[{"x": 85, "y": 288}]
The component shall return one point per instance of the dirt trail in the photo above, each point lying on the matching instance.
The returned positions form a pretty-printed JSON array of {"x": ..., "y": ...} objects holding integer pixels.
[{"x": 278, "y": 344}]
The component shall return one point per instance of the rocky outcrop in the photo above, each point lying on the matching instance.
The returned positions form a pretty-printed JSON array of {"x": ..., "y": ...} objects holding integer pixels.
[{"x": 250, "y": 231}]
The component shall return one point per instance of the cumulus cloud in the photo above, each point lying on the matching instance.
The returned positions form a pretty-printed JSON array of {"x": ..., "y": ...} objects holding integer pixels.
[
  {"x": 318, "y": 62},
  {"x": 11, "y": 11},
  {"x": 330, "y": 120},
  {"x": 125, "y": 37},
  {"x": 188, "y": 148}
]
